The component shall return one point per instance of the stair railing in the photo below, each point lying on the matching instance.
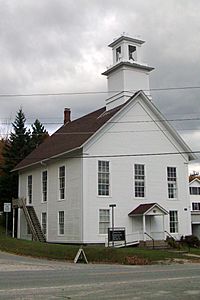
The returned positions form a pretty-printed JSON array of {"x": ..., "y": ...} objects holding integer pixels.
[
  {"x": 150, "y": 238},
  {"x": 170, "y": 235},
  {"x": 28, "y": 219}
]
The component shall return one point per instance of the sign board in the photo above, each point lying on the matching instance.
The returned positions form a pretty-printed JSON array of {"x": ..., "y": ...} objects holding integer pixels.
[
  {"x": 7, "y": 207},
  {"x": 80, "y": 257},
  {"x": 116, "y": 234}
]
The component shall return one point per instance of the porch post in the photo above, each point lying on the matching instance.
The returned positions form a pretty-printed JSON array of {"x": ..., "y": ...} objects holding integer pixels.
[
  {"x": 163, "y": 226},
  {"x": 144, "y": 228},
  {"x": 13, "y": 227}
]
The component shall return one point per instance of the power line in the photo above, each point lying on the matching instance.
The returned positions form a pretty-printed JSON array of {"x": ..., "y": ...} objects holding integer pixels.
[
  {"x": 111, "y": 132},
  {"x": 95, "y": 92},
  {"x": 116, "y": 122},
  {"x": 115, "y": 155}
]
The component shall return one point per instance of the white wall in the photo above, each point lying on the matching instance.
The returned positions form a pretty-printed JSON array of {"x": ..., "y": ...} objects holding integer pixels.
[
  {"x": 134, "y": 138},
  {"x": 71, "y": 205}
]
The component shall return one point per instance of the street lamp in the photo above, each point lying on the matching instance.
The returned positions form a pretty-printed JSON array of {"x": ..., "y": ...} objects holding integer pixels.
[{"x": 112, "y": 207}]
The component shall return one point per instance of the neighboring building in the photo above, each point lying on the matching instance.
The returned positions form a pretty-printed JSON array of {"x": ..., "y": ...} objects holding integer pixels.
[
  {"x": 125, "y": 153},
  {"x": 194, "y": 188}
]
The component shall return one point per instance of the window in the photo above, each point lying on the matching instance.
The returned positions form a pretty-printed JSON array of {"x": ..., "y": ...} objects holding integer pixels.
[
  {"x": 104, "y": 220},
  {"x": 103, "y": 178},
  {"x": 30, "y": 189},
  {"x": 61, "y": 222},
  {"x": 118, "y": 54},
  {"x": 44, "y": 222},
  {"x": 173, "y": 221},
  {"x": 44, "y": 186},
  {"x": 131, "y": 52},
  {"x": 172, "y": 182},
  {"x": 139, "y": 178},
  {"x": 194, "y": 190},
  {"x": 62, "y": 182},
  {"x": 196, "y": 206}
]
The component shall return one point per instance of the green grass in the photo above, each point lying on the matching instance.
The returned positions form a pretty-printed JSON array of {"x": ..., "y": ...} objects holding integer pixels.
[{"x": 98, "y": 254}]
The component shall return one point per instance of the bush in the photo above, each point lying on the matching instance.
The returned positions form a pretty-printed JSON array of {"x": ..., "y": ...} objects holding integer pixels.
[
  {"x": 190, "y": 241},
  {"x": 172, "y": 242}
]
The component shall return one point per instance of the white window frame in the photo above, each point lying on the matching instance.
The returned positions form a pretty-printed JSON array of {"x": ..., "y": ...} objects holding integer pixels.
[
  {"x": 172, "y": 182},
  {"x": 104, "y": 220},
  {"x": 61, "y": 222},
  {"x": 139, "y": 181},
  {"x": 30, "y": 189},
  {"x": 62, "y": 183},
  {"x": 44, "y": 222},
  {"x": 173, "y": 221},
  {"x": 103, "y": 187},
  {"x": 194, "y": 190},
  {"x": 195, "y": 206},
  {"x": 44, "y": 186}
]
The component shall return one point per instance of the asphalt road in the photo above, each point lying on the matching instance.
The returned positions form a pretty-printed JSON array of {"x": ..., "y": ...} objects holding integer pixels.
[{"x": 28, "y": 278}]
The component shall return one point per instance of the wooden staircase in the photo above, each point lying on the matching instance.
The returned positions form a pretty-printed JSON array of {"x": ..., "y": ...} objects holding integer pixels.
[
  {"x": 38, "y": 233},
  {"x": 31, "y": 219}
]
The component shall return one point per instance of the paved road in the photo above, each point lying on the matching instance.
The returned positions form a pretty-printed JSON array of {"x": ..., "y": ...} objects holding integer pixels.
[{"x": 28, "y": 278}]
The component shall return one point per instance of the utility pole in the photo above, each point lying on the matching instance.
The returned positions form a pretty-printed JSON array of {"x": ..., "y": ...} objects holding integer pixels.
[{"x": 113, "y": 226}]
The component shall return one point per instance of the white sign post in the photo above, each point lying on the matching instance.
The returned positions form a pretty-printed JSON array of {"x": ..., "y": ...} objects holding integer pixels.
[{"x": 7, "y": 209}]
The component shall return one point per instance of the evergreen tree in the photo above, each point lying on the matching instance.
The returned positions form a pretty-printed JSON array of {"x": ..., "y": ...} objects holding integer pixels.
[
  {"x": 16, "y": 148},
  {"x": 39, "y": 134}
]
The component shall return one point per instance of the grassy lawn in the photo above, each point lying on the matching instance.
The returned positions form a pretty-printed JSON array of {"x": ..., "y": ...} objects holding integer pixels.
[{"x": 97, "y": 254}]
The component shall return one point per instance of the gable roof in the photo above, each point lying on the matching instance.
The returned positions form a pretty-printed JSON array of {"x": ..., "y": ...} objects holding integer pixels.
[
  {"x": 143, "y": 209},
  {"x": 73, "y": 135},
  {"x": 194, "y": 179},
  {"x": 70, "y": 136}
]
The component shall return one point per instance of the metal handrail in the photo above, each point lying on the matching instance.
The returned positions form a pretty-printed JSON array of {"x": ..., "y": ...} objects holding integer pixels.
[
  {"x": 150, "y": 238},
  {"x": 170, "y": 235}
]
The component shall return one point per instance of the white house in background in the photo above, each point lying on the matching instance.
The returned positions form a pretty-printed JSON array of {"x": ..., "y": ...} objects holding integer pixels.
[
  {"x": 125, "y": 153},
  {"x": 194, "y": 187}
]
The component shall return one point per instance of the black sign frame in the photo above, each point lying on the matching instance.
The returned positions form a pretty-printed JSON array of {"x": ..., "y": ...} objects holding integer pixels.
[{"x": 116, "y": 234}]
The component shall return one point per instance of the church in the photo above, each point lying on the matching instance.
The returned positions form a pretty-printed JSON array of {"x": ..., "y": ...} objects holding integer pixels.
[{"x": 121, "y": 166}]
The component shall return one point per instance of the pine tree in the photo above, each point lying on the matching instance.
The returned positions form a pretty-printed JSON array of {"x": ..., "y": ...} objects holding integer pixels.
[
  {"x": 39, "y": 134},
  {"x": 16, "y": 148}
]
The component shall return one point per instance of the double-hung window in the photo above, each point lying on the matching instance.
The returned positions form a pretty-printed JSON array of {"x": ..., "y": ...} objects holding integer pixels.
[
  {"x": 104, "y": 220},
  {"x": 139, "y": 179},
  {"x": 30, "y": 189},
  {"x": 173, "y": 221},
  {"x": 44, "y": 186},
  {"x": 103, "y": 178},
  {"x": 44, "y": 222},
  {"x": 61, "y": 222},
  {"x": 196, "y": 206},
  {"x": 194, "y": 190},
  {"x": 62, "y": 182},
  {"x": 172, "y": 182}
]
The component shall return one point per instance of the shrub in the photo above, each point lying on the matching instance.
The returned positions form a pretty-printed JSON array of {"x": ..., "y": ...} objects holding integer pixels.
[{"x": 190, "y": 241}]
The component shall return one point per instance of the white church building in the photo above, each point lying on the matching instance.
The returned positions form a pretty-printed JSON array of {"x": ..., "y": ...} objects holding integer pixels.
[{"x": 124, "y": 154}]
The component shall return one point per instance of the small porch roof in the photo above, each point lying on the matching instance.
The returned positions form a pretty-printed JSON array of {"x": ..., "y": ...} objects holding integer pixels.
[{"x": 148, "y": 209}]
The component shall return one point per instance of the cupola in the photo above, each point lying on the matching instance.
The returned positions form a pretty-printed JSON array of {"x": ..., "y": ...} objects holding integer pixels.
[{"x": 128, "y": 74}]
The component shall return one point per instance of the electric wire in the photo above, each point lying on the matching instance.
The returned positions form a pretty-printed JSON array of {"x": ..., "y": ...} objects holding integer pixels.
[{"x": 94, "y": 92}]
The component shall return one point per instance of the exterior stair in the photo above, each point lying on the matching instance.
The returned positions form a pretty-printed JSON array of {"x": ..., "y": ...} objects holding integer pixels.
[
  {"x": 156, "y": 244},
  {"x": 36, "y": 224},
  {"x": 31, "y": 219}
]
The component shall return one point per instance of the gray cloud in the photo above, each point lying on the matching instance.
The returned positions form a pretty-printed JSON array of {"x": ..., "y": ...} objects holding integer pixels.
[{"x": 50, "y": 46}]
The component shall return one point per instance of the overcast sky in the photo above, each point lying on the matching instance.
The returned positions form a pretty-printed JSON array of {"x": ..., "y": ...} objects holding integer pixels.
[{"x": 55, "y": 46}]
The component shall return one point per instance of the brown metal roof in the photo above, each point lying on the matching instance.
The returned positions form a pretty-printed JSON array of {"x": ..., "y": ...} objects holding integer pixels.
[
  {"x": 144, "y": 208},
  {"x": 141, "y": 209},
  {"x": 70, "y": 136}
]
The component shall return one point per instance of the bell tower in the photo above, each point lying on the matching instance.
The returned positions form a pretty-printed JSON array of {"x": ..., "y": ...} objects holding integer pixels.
[{"x": 127, "y": 74}]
